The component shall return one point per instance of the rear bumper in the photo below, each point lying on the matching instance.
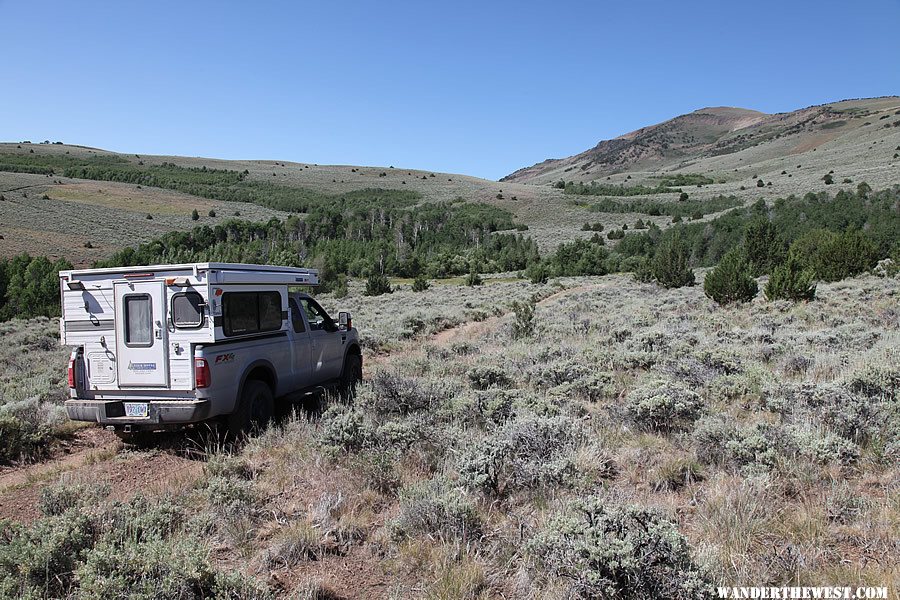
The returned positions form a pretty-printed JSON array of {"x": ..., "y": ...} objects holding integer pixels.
[{"x": 160, "y": 413}]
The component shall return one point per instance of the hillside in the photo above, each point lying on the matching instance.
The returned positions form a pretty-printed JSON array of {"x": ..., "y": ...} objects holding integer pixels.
[
  {"x": 730, "y": 148},
  {"x": 58, "y": 215},
  {"x": 727, "y": 143}
]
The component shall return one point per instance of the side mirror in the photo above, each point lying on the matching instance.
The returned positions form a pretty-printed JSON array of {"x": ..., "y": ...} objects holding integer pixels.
[{"x": 344, "y": 320}]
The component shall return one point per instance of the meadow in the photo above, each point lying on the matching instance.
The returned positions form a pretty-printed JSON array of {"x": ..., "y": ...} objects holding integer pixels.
[{"x": 579, "y": 438}]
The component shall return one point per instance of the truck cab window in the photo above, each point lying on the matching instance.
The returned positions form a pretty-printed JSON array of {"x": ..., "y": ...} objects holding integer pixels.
[
  {"x": 317, "y": 317},
  {"x": 296, "y": 317}
]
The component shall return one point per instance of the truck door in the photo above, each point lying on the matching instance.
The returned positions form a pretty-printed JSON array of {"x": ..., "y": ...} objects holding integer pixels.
[
  {"x": 300, "y": 347},
  {"x": 326, "y": 342},
  {"x": 141, "y": 336}
]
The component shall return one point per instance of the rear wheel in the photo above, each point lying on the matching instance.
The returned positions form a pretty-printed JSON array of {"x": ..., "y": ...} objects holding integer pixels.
[
  {"x": 351, "y": 375},
  {"x": 254, "y": 410}
]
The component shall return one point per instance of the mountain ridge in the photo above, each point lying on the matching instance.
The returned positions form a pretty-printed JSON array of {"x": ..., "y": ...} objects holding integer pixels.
[{"x": 705, "y": 133}]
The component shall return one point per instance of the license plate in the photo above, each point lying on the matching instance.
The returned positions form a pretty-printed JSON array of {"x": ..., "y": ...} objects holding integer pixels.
[{"x": 137, "y": 409}]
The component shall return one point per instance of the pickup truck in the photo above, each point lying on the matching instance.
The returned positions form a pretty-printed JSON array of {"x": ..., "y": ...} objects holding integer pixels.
[{"x": 171, "y": 346}]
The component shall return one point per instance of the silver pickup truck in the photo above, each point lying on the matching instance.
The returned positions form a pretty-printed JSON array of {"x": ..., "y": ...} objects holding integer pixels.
[{"x": 169, "y": 346}]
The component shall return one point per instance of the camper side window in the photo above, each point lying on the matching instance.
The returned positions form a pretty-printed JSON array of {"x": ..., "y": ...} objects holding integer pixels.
[
  {"x": 251, "y": 312},
  {"x": 138, "y": 320},
  {"x": 187, "y": 310}
]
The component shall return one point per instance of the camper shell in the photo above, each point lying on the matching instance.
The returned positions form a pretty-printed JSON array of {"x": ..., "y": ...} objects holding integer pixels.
[{"x": 163, "y": 346}]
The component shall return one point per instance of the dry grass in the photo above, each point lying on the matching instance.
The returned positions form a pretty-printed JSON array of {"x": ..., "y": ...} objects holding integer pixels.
[{"x": 797, "y": 489}]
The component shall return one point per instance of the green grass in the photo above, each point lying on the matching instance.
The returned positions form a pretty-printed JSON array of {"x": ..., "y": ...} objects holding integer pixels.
[
  {"x": 683, "y": 209},
  {"x": 683, "y": 179},
  {"x": 216, "y": 184}
]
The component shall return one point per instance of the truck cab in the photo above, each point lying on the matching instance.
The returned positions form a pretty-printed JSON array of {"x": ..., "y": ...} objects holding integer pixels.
[{"x": 169, "y": 346}]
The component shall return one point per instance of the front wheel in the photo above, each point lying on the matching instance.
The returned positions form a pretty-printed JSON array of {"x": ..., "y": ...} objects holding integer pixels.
[
  {"x": 351, "y": 376},
  {"x": 254, "y": 410}
]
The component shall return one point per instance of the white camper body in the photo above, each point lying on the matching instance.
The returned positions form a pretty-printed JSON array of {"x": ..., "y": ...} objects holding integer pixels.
[{"x": 141, "y": 333}]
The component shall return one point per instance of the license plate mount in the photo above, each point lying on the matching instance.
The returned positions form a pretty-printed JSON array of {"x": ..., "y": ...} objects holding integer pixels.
[{"x": 137, "y": 409}]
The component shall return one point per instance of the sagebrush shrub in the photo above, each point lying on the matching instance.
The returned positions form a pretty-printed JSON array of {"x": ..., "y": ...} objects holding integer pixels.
[
  {"x": 395, "y": 394},
  {"x": 526, "y": 453},
  {"x": 435, "y": 507},
  {"x": 663, "y": 406},
  {"x": 485, "y": 377},
  {"x": 58, "y": 498},
  {"x": 21, "y": 438},
  {"x": 344, "y": 430},
  {"x": 628, "y": 552}
]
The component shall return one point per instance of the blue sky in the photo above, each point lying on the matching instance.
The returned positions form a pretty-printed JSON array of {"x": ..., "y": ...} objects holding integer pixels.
[{"x": 481, "y": 88}]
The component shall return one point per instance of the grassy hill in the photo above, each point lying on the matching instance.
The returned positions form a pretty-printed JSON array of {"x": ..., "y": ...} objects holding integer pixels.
[{"x": 731, "y": 150}]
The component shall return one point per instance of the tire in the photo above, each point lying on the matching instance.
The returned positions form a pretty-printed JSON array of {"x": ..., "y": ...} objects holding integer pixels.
[
  {"x": 254, "y": 410},
  {"x": 351, "y": 375}
]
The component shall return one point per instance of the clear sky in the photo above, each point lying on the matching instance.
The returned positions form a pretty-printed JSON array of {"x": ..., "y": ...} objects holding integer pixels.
[{"x": 481, "y": 88}]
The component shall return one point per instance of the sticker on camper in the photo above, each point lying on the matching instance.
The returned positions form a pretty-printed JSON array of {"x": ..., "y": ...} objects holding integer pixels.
[
  {"x": 141, "y": 367},
  {"x": 224, "y": 358}
]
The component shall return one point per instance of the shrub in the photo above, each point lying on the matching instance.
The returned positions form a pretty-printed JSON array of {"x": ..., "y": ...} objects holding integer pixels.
[
  {"x": 378, "y": 284},
  {"x": 627, "y": 552},
  {"x": 662, "y": 406},
  {"x": 730, "y": 281},
  {"x": 828, "y": 179},
  {"x": 670, "y": 263},
  {"x": 760, "y": 183},
  {"x": 523, "y": 321},
  {"x": 538, "y": 272},
  {"x": 435, "y": 508},
  {"x": 195, "y": 216},
  {"x": 488, "y": 376},
  {"x": 420, "y": 283},
  {"x": 790, "y": 281},
  {"x": 211, "y": 213},
  {"x": 394, "y": 394},
  {"x": 344, "y": 430},
  {"x": 57, "y": 499},
  {"x": 527, "y": 453},
  {"x": 683, "y": 196},
  {"x": 473, "y": 279},
  {"x": 39, "y": 561},
  {"x": 22, "y": 439}
]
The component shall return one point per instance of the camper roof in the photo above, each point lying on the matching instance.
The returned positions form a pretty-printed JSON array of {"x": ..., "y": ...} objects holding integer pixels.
[{"x": 312, "y": 275}]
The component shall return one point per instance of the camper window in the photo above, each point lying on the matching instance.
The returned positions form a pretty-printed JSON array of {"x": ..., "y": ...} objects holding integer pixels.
[
  {"x": 250, "y": 312},
  {"x": 187, "y": 310},
  {"x": 138, "y": 320}
]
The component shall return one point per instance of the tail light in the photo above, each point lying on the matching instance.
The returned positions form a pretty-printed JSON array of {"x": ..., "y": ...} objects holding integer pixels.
[
  {"x": 71, "y": 373},
  {"x": 203, "y": 379}
]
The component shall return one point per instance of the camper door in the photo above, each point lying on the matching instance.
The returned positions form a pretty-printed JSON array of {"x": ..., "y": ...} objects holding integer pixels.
[{"x": 141, "y": 334}]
